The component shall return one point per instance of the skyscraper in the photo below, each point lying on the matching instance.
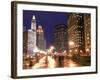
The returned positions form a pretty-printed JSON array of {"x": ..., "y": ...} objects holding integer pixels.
[
  {"x": 76, "y": 37},
  {"x": 41, "y": 42},
  {"x": 60, "y": 37},
  {"x": 87, "y": 29},
  {"x": 32, "y": 36},
  {"x": 25, "y": 40}
]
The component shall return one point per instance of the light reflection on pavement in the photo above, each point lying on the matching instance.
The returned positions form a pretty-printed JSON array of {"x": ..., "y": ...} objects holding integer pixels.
[{"x": 49, "y": 62}]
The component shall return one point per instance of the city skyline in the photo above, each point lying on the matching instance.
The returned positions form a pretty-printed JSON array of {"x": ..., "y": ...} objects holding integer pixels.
[
  {"x": 71, "y": 46},
  {"x": 48, "y": 20}
]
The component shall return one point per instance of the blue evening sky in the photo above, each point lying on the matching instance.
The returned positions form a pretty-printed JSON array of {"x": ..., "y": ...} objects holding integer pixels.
[{"x": 47, "y": 19}]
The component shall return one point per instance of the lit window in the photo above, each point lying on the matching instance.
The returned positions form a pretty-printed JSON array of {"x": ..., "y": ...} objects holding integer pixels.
[
  {"x": 88, "y": 38},
  {"x": 87, "y": 34}
]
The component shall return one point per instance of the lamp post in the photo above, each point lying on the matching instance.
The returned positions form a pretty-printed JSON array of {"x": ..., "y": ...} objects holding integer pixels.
[{"x": 71, "y": 43}]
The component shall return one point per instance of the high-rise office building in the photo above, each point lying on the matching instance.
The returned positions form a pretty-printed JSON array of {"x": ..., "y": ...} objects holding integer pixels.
[
  {"x": 76, "y": 37},
  {"x": 87, "y": 29},
  {"x": 32, "y": 36},
  {"x": 60, "y": 37},
  {"x": 41, "y": 42},
  {"x": 25, "y": 40}
]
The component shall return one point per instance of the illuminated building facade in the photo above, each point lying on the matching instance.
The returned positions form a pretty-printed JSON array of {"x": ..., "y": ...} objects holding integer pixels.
[
  {"x": 25, "y": 40},
  {"x": 32, "y": 36},
  {"x": 41, "y": 42},
  {"x": 60, "y": 37},
  {"x": 87, "y": 29},
  {"x": 76, "y": 37}
]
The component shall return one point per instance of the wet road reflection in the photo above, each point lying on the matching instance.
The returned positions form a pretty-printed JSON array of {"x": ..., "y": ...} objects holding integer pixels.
[
  {"x": 49, "y": 62},
  {"x": 45, "y": 62},
  {"x": 70, "y": 63}
]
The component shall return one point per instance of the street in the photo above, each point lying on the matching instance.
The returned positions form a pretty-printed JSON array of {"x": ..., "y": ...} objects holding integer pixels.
[{"x": 52, "y": 62}]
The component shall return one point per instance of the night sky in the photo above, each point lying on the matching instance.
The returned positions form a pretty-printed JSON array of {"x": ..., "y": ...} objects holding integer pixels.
[{"x": 48, "y": 20}]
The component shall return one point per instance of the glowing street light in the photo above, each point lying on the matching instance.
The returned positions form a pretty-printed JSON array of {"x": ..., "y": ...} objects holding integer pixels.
[
  {"x": 65, "y": 52},
  {"x": 71, "y": 43},
  {"x": 51, "y": 49},
  {"x": 81, "y": 51},
  {"x": 87, "y": 50},
  {"x": 76, "y": 50},
  {"x": 70, "y": 51}
]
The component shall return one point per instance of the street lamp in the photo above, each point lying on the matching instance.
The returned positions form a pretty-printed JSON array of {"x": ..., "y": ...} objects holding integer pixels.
[
  {"x": 76, "y": 51},
  {"x": 51, "y": 49},
  {"x": 81, "y": 51},
  {"x": 87, "y": 50},
  {"x": 71, "y": 43},
  {"x": 70, "y": 51}
]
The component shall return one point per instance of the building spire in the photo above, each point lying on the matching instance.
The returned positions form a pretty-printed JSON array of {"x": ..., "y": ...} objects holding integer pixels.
[
  {"x": 33, "y": 17},
  {"x": 33, "y": 23}
]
